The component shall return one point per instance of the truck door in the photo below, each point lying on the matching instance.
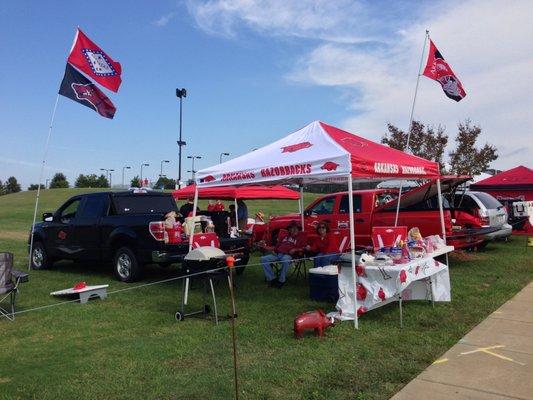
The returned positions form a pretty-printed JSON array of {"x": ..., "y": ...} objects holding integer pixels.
[
  {"x": 321, "y": 211},
  {"x": 60, "y": 231},
  {"x": 86, "y": 229},
  {"x": 361, "y": 218}
]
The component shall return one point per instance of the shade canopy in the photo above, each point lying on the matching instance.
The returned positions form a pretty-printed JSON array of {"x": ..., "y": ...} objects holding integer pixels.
[
  {"x": 318, "y": 153},
  {"x": 249, "y": 192},
  {"x": 516, "y": 178}
]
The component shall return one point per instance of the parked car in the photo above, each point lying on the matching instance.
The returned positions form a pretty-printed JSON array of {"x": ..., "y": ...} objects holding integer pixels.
[
  {"x": 121, "y": 227},
  {"x": 377, "y": 207},
  {"x": 488, "y": 211}
]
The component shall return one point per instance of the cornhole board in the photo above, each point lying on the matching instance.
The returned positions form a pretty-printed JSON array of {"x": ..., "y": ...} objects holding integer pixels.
[{"x": 84, "y": 294}]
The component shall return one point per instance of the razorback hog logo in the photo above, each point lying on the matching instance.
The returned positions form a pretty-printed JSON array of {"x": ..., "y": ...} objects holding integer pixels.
[
  {"x": 208, "y": 178},
  {"x": 403, "y": 276},
  {"x": 329, "y": 166},
  {"x": 295, "y": 147},
  {"x": 381, "y": 294},
  {"x": 88, "y": 93}
]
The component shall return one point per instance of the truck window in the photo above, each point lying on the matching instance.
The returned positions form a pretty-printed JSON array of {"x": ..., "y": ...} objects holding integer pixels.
[
  {"x": 325, "y": 206},
  {"x": 139, "y": 204},
  {"x": 344, "y": 208},
  {"x": 69, "y": 211},
  {"x": 94, "y": 207}
]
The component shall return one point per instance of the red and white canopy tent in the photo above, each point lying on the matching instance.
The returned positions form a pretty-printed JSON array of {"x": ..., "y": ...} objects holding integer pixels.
[{"x": 321, "y": 153}]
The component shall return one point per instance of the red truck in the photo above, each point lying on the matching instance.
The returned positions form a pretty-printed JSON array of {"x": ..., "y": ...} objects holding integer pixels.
[{"x": 377, "y": 207}]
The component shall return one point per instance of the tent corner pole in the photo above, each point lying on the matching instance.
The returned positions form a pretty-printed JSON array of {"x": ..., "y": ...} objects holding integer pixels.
[
  {"x": 302, "y": 207},
  {"x": 441, "y": 212},
  {"x": 352, "y": 246},
  {"x": 236, "y": 213},
  {"x": 195, "y": 206}
]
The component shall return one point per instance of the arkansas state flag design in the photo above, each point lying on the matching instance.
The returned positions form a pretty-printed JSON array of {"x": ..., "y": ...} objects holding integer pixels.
[
  {"x": 438, "y": 69},
  {"x": 91, "y": 59},
  {"x": 80, "y": 89}
]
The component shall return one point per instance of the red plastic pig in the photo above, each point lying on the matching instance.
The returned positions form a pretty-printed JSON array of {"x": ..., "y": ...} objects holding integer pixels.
[{"x": 315, "y": 320}]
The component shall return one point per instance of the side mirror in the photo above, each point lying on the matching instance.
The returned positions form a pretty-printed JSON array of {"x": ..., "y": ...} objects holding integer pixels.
[
  {"x": 307, "y": 213},
  {"x": 48, "y": 217}
]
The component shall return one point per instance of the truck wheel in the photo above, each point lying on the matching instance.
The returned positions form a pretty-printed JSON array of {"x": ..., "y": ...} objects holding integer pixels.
[
  {"x": 39, "y": 257},
  {"x": 126, "y": 265}
]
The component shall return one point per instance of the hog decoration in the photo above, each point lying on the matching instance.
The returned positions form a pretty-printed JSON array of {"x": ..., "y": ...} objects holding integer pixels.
[{"x": 311, "y": 320}]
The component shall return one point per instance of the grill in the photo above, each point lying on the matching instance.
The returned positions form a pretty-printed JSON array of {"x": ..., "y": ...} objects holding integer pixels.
[{"x": 202, "y": 261}]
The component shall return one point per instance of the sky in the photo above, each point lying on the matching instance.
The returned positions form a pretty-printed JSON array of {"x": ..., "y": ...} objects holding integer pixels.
[{"x": 255, "y": 70}]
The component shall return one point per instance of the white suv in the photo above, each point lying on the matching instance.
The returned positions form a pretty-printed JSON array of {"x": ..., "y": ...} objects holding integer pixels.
[{"x": 491, "y": 212}]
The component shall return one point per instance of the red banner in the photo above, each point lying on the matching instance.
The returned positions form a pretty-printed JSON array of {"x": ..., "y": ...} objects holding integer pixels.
[
  {"x": 88, "y": 57},
  {"x": 439, "y": 70}
]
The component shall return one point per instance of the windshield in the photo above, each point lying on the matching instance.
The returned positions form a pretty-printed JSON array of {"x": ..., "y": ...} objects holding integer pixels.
[
  {"x": 488, "y": 201},
  {"x": 144, "y": 204}
]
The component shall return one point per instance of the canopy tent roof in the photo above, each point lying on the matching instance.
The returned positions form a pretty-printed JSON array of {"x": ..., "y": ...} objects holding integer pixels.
[
  {"x": 249, "y": 192},
  {"x": 318, "y": 153},
  {"x": 516, "y": 178}
]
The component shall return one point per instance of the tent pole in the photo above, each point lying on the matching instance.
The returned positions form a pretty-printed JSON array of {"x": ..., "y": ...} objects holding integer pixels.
[
  {"x": 441, "y": 212},
  {"x": 302, "y": 207},
  {"x": 411, "y": 121},
  {"x": 352, "y": 245},
  {"x": 41, "y": 179},
  {"x": 191, "y": 234},
  {"x": 236, "y": 214}
]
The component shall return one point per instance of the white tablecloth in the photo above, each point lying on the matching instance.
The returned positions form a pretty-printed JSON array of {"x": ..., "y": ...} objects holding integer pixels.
[{"x": 420, "y": 279}]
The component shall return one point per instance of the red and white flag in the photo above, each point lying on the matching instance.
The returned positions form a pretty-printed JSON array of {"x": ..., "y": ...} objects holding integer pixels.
[
  {"x": 438, "y": 69},
  {"x": 88, "y": 57}
]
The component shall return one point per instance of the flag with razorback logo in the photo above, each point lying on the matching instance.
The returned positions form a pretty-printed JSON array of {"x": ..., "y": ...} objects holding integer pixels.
[
  {"x": 439, "y": 70},
  {"x": 80, "y": 89},
  {"x": 89, "y": 58}
]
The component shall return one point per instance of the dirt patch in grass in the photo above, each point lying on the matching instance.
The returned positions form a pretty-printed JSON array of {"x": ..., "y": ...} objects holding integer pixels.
[{"x": 14, "y": 235}]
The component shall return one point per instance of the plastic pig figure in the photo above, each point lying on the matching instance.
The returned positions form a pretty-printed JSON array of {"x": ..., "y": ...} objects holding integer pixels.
[{"x": 315, "y": 320}]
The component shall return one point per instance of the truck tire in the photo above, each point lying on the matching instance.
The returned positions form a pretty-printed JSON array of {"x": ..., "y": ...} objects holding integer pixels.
[
  {"x": 126, "y": 265},
  {"x": 39, "y": 256}
]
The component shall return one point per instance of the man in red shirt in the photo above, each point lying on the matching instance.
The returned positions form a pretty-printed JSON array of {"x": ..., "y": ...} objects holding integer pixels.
[{"x": 283, "y": 252}]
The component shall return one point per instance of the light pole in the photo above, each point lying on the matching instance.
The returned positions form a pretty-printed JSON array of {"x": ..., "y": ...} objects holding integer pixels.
[
  {"x": 192, "y": 168},
  {"x": 143, "y": 165},
  {"x": 163, "y": 162},
  {"x": 123, "y": 168},
  {"x": 110, "y": 185},
  {"x": 181, "y": 93},
  {"x": 223, "y": 154}
]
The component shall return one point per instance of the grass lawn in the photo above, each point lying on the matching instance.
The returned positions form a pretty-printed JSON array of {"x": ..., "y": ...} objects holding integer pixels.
[{"x": 130, "y": 347}]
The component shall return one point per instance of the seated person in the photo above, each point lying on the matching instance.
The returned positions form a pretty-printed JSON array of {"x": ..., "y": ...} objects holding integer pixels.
[
  {"x": 320, "y": 246},
  {"x": 283, "y": 252}
]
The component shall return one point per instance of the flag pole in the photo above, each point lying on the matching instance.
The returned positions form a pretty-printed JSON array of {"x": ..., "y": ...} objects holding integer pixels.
[
  {"x": 411, "y": 121},
  {"x": 41, "y": 178}
]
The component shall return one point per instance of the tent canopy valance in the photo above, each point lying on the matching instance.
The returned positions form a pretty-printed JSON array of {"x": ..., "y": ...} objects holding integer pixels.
[
  {"x": 251, "y": 192},
  {"x": 318, "y": 153}
]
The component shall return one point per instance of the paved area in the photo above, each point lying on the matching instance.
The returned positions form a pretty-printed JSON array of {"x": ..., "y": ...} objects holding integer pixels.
[{"x": 493, "y": 361}]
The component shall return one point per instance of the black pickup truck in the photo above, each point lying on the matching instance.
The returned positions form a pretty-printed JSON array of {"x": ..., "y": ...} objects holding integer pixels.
[{"x": 114, "y": 226}]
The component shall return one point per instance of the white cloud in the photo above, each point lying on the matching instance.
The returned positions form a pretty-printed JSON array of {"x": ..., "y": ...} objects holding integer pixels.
[
  {"x": 371, "y": 55},
  {"x": 164, "y": 19}
]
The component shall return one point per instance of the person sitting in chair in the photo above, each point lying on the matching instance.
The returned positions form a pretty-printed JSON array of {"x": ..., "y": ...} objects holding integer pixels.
[
  {"x": 284, "y": 251},
  {"x": 321, "y": 247}
]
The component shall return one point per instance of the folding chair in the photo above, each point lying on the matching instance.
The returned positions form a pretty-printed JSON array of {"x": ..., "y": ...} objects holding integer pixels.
[
  {"x": 299, "y": 266},
  {"x": 9, "y": 282}
]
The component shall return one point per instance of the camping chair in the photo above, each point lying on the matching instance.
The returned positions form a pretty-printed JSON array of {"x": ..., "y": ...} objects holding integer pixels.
[
  {"x": 9, "y": 282},
  {"x": 387, "y": 236}
]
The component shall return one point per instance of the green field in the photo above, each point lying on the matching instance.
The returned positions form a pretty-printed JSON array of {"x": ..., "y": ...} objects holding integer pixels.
[{"x": 130, "y": 347}]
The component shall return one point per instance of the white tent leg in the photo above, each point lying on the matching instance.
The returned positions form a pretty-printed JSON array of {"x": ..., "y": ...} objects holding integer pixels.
[
  {"x": 191, "y": 235},
  {"x": 236, "y": 214},
  {"x": 302, "y": 207},
  {"x": 441, "y": 212},
  {"x": 352, "y": 245}
]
